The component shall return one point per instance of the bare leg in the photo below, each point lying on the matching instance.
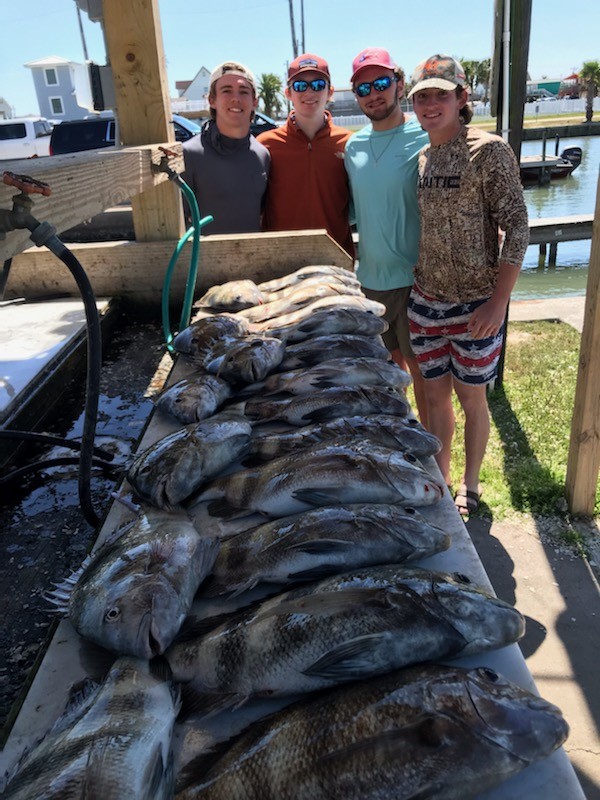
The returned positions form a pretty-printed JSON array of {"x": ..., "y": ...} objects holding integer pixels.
[
  {"x": 473, "y": 399},
  {"x": 438, "y": 393},
  {"x": 410, "y": 365}
]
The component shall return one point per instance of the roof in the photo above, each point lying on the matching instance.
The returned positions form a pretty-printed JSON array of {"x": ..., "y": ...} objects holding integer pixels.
[{"x": 50, "y": 61}]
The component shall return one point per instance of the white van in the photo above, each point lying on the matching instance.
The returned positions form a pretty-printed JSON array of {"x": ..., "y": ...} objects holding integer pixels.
[{"x": 23, "y": 137}]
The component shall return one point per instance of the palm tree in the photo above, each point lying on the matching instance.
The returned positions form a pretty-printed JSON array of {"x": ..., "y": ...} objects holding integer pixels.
[
  {"x": 482, "y": 76},
  {"x": 269, "y": 92},
  {"x": 589, "y": 77}
]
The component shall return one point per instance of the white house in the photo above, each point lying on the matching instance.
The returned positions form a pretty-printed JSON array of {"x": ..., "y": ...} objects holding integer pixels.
[
  {"x": 5, "y": 109},
  {"x": 62, "y": 88}
]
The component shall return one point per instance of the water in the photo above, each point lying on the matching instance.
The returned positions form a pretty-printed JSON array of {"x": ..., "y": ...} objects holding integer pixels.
[{"x": 565, "y": 197}]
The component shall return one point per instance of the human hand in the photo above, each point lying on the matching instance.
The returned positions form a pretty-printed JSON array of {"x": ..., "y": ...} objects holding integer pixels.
[{"x": 487, "y": 320}]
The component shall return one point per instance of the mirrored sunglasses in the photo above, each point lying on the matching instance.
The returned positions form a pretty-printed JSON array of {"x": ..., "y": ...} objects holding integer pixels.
[
  {"x": 379, "y": 84},
  {"x": 317, "y": 85}
]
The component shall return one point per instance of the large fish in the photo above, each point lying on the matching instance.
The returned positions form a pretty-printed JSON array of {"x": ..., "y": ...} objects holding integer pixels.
[
  {"x": 314, "y": 281},
  {"x": 331, "y": 473},
  {"x": 328, "y": 404},
  {"x": 293, "y": 278},
  {"x": 339, "y": 301},
  {"x": 316, "y": 543},
  {"x": 114, "y": 744},
  {"x": 402, "y": 433},
  {"x": 133, "y": 594},
  {"x": 232, "y": 296},
  {"x": 197, "y": 339},
  {"x": 337, "y": 372},
  {"x": 173, "y": 468},
  {"x": 193, "y": 399},
  {"x": 347, "y": 627},
  {"x": 337, "y": 345},
  {"x": 247, "y": 360},
  {"x": 298, "y": 297},
  {"x": 427, "y": 732},
  {"x": 332, "y": 320}
]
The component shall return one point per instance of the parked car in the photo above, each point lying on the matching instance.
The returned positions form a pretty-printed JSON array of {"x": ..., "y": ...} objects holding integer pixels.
[
  {"x": 262, "y": 123},
  {"x": 23, "y": 137}
]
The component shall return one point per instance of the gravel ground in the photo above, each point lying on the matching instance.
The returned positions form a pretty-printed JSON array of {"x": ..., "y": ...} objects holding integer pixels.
[{"x": 44, "y": 534}]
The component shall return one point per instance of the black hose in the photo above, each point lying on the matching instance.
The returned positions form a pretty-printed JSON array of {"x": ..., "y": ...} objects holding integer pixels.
[
  {"x": 50, "y": 438},
  {"x": 56, "y": 462}
]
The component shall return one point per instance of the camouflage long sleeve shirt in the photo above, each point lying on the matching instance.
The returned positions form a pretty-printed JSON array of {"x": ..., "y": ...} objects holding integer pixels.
[{"x": 468, "y": 188}]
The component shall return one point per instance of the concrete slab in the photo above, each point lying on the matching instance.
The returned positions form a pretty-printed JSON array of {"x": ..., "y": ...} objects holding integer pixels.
[{"x": 566, "y": 309}]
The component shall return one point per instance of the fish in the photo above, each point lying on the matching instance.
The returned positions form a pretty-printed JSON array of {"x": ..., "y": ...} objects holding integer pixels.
[
  {"x": 405, "y": 434},
  {"x": 362, "y": 371},
  {"x": 332, "y": 320},
  {"x": 173, "y": 468},
  {"x": 306, "y": 312},
  {"x": 331, "y": 473},
  {"x": 232, "y": 296},
  {"x": 298, "y": 297},
  {"x": 328, "y": 404},
  {"x": 316, "y": 543},
  {"x": 338, "y": 345},
  {"x": 193, "y": 399},
  {"x": 197, "y": 339},
  {"x": 112, "y": 742},
  {"x": 248, "y": 360},
  {"x": 293, "y": 278},
  {"x": 346, "y": 627},
  {"x": 316, "y": 280},
  {"x": 429, "y": 731},
  {"x": 132, "y": 595}
]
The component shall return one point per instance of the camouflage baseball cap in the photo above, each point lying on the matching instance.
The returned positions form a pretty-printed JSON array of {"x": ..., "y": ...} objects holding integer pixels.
[
  {"x": 438, "y": 72},
  {"x": 232, "y": 68}
]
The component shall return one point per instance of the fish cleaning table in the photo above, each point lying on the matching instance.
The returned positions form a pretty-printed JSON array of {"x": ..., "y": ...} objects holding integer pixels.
[{"x": 70, "y": 659}]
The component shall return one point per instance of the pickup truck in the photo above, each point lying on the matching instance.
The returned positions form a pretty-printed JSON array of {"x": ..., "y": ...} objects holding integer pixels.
[{"x": 23, "y": 137}]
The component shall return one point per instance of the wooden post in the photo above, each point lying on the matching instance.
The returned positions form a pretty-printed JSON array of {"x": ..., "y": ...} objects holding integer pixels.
[
  {"x": 135, "y": 48},
  {"x": 583, "y": 464},
  {"x": 553, "y": 254}
]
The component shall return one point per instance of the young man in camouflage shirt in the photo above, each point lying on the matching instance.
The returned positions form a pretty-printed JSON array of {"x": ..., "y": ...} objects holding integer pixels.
[{"x": 469, "y": 189}]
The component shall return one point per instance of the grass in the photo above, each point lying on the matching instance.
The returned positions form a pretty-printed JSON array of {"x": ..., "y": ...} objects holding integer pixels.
[{"x": 525, "y": 464}]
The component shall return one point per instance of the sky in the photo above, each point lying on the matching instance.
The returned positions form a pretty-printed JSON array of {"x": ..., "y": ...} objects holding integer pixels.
[{"x": 258, "y": 33}]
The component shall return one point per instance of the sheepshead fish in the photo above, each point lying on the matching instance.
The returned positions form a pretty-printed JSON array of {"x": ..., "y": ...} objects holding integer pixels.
[
  {"x": 332, "y": 320},
  {"x": 298, "y": 297},
  {"x": 317, "y": 543},
  {"x": 337, "y": 345},
  {"x": 330, "y": 473},
  {"x": 405, "y": 434},
  {"x": 339, "y": 301},
  {"x": 327, "y": 404},
  {"x": 435, "y": 732},
  {"x": 232, "y": 296},
  {"x": 347, "y": 627},
  {"x": 114, "y": 742},
  {"x": 248, "y": 360},
  {"x": 353, "y": 285},
  {"x": 132, "y": 595},
  {"x": 293, "y": 278},
  {"x": 197, "y": 339},
  {"x": 173, "y": 468},
  {"x": 338, "y": 372},
  {"x": 193, "y": 399}
]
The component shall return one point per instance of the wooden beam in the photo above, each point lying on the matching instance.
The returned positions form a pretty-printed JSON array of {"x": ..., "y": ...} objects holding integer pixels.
[
  {"x": 83, "y": 185},
  {"x": 583, "y": 464},
  {"x": 135, "y": 49},
  {"x": 136, "y": 270}
]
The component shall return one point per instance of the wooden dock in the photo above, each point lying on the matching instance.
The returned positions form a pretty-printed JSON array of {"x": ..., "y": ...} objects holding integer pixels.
[{"x": 552, "y": 230}]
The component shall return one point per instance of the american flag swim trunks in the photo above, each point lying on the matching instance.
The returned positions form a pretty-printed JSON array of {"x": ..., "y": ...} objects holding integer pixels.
[{"x": 441, "y": 342}]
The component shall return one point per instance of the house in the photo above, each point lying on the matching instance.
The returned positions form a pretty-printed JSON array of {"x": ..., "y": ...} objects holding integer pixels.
[
  {"x": 62, "y": 88},
  {"x": 5, "y": 109},
  {"x": 196, "y": 89}
]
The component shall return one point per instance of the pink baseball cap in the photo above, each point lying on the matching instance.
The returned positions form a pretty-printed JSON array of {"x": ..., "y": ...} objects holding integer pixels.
[{"x": 372, "y": 57}]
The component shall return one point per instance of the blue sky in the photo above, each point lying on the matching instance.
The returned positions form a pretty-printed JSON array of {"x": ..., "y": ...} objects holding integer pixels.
[{"x": 257, "y": 32}]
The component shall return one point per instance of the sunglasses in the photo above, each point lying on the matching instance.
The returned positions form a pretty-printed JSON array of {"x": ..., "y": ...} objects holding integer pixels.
[
  {"x": 379, "y": 84},
  {"x": 317, "y": 85}
]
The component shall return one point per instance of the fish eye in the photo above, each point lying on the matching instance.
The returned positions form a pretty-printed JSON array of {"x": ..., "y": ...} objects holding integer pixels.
[
  {"x": 410, "y": 510},
  {"x": 413, "y": 422},
  {"x": 113, "y": 614},
  {"x": 488, "y": 674},
  {"x": 460, "y": 578}
]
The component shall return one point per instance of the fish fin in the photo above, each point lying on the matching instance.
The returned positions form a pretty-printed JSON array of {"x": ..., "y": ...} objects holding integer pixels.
[
  {"x": 222, "y": 509},
  {"x": 318, "y": 546},
  {"x": 205, "y": 704},
  {"x": 321, "y": 497},
  {"x": 351, "y": 660},
  {"x": 324, "y": 414},
  {"x": 197, "y": 767},
  {"x": 216, "y": 588},
  {"x": 254, "y": 460},
  {"x": 161, "y": 669},
  {"x": 60, "y": 595},
  {"x": 325, "y": 603},
  {"x": 315, "y": 573}
]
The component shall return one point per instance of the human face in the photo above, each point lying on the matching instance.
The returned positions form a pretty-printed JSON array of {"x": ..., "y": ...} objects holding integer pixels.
[
  {"x": 438, "y": 112},
  {"x": 234, "y": 103},
  {"x": 309, "y": 106},
  {"x": 380, "y": 107}
]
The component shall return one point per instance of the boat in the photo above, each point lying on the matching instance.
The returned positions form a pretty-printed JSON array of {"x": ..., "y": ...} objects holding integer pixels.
[{"x": 542, "y": 168}]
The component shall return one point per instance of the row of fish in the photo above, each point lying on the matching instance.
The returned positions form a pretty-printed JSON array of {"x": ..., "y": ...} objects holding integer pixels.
[{"x": 321, "y": 444}]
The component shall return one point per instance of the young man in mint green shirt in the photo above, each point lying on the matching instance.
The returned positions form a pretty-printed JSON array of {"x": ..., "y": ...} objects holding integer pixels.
[{"x": 381, "y": 161}]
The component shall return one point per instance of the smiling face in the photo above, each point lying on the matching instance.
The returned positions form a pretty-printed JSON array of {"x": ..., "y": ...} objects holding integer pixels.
[
  {"x": 438, "y": 112},
  {"x": 309, "y": 106},
  {"x": 234, "y": 103},
  {"x": 382, "y": 108}
]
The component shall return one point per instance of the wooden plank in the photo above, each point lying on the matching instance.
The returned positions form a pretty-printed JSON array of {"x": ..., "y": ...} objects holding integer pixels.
[
  {"x": 561, "y": 229},
  {"x": 136, "y": 270},
  {"x": 135, "y": 49},
  {"x": 83, "y": 185},
  {"x": 583, "y": 465}
]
